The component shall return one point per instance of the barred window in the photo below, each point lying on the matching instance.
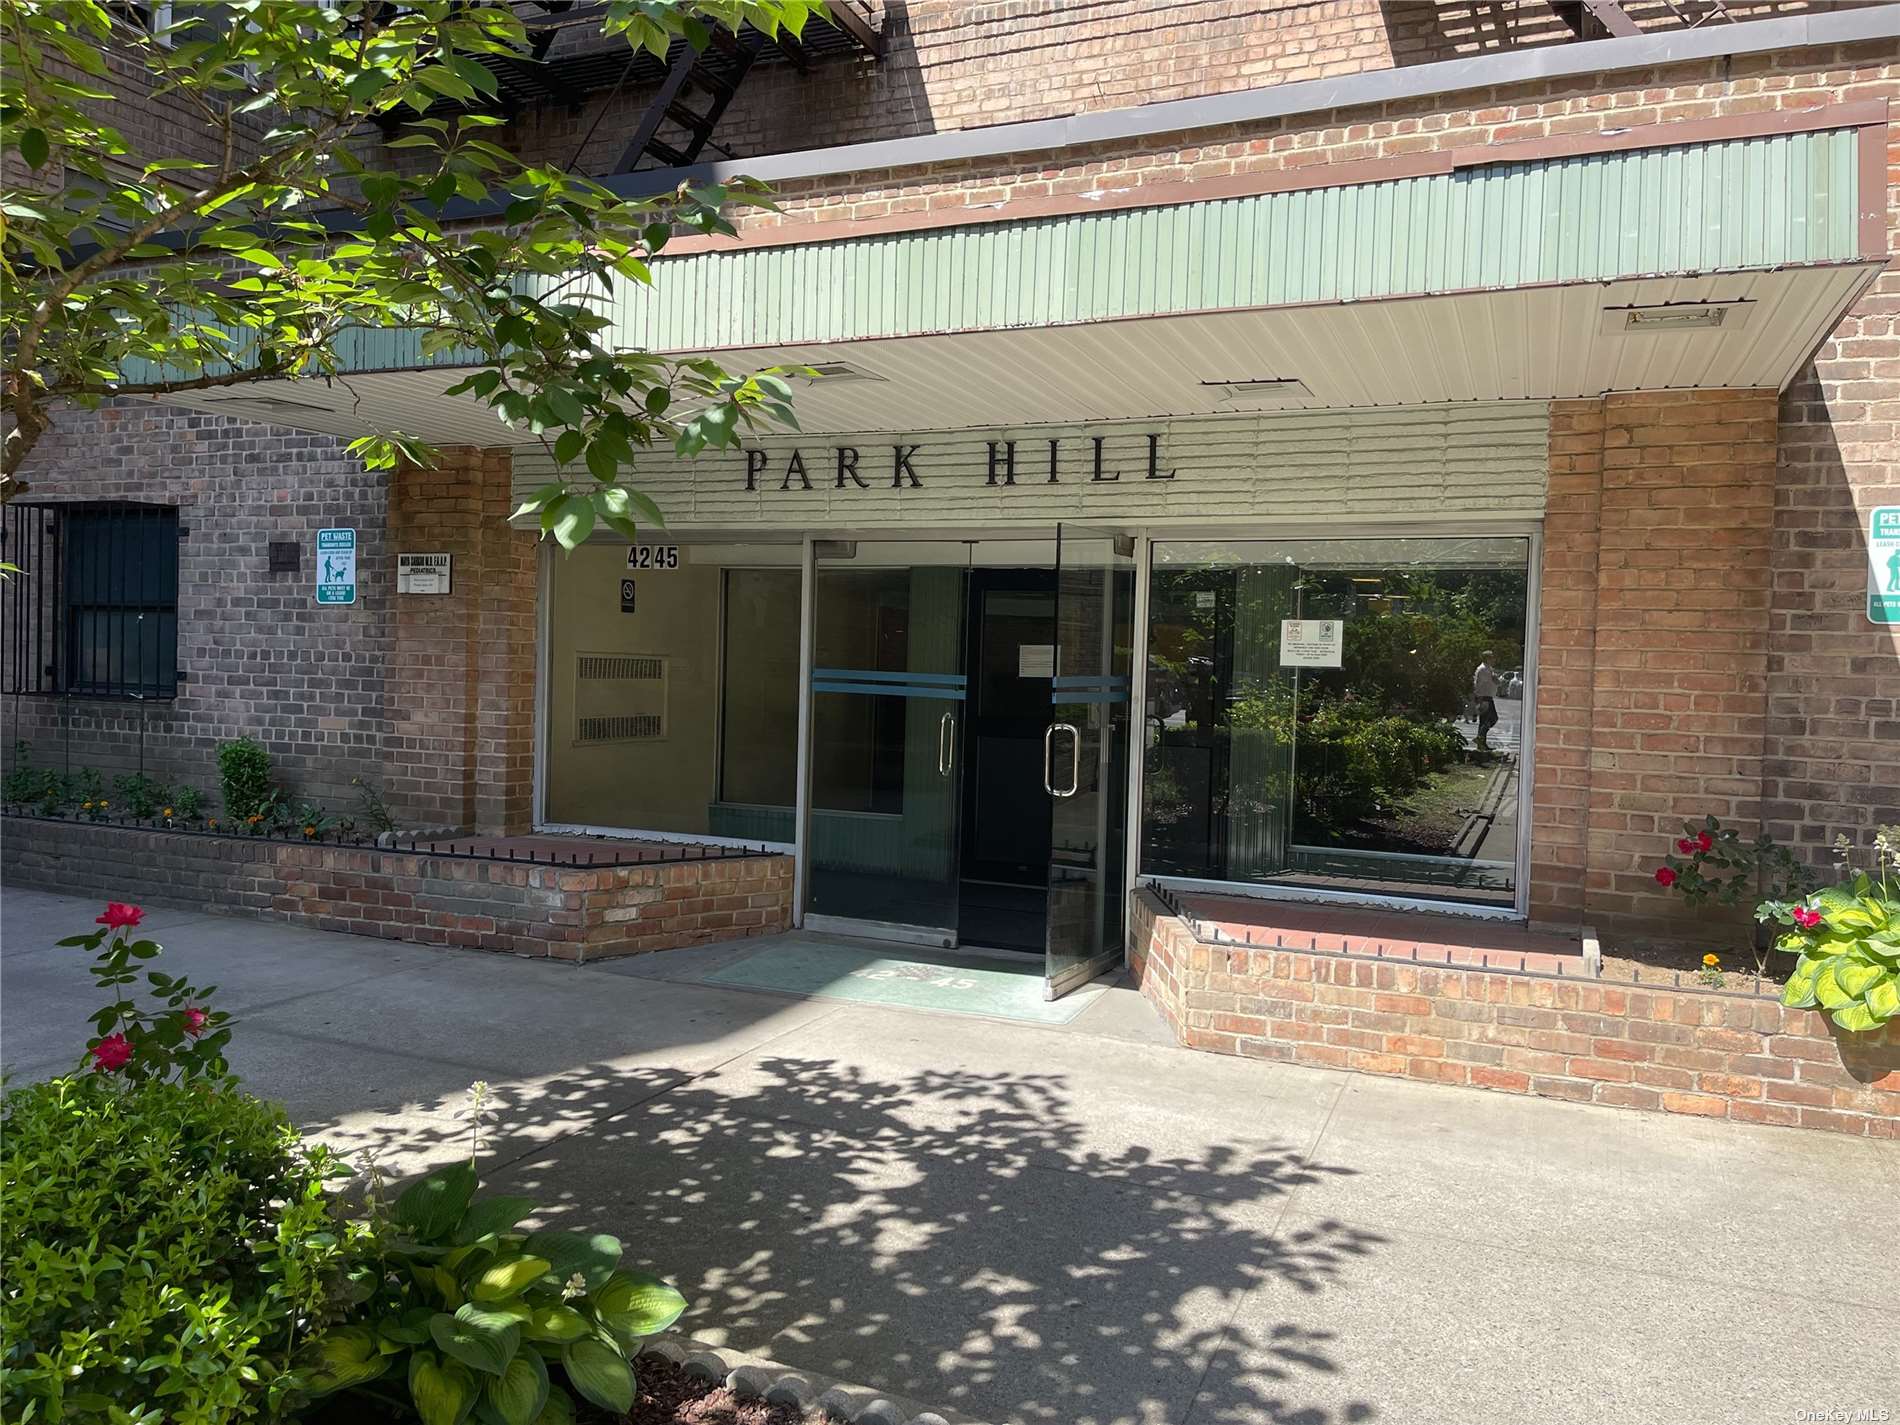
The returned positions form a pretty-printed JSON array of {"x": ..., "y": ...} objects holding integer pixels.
[{"x": 93, "y": 610}]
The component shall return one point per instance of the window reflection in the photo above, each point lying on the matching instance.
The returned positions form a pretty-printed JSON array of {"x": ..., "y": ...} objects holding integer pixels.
[{"x": 1394, "y": 772}]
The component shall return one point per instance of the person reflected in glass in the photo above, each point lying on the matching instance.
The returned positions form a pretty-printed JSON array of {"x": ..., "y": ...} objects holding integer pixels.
[{"x": 1484, "y": 697}]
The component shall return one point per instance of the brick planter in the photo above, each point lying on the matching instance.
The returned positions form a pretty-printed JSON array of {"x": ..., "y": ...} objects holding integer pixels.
[
  {"x": 1714, "y": 1053},
  {"x": 429, "y": 897}
]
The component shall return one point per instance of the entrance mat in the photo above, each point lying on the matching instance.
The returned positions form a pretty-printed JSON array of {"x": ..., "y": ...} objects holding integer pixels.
[{"x": 949, "y": 984}]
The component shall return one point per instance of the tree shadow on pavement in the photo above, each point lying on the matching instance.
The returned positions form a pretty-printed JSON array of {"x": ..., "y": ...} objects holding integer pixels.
[{"x": 964, "y": 1238}]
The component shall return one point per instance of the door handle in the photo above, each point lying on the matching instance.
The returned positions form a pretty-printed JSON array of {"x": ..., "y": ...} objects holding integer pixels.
[
  {"x": 1048, "y": 758},
  {"x": 1075, "y": 758},
  {"x": 946, "y": 744}
]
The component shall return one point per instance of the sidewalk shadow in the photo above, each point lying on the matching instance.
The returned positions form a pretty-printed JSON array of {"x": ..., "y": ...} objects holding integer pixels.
[{"x": 959, "y": 1237}]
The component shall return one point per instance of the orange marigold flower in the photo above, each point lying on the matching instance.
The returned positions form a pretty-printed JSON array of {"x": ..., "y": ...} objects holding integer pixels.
[{"x": 1711, "y": 960}]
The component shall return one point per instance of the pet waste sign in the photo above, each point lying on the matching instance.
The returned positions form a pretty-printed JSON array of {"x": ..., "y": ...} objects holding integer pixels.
[
  {"x": 1883, "y": 565},
  {"x": 336, "y": 566}
]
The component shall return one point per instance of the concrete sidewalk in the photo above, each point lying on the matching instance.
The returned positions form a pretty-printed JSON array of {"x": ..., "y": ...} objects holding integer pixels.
[{"x": 1069, "y": 1223}]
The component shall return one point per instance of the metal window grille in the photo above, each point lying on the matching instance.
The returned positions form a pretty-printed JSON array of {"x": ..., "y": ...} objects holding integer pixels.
[{"x": 93, "y": 611}]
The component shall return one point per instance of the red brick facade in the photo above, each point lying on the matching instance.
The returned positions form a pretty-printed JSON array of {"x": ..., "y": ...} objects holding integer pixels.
[
  {"x": 1710, "y": 1053},
  {"x": 460, "y": 751}
]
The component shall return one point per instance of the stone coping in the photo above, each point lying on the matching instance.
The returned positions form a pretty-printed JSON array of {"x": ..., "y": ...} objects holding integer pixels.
[{"x": 756, "y": 1378}]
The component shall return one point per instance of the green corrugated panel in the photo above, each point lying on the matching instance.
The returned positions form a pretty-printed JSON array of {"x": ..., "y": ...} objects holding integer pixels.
[{"x": 1745, "y": 203}]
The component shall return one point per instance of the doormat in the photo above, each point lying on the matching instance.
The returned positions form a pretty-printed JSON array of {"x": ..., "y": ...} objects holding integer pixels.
[{"x": 946, "y": 983}]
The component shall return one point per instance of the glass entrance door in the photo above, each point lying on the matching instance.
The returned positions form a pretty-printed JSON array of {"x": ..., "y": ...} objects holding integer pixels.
[
  {"x": 1086, "y": 754},
  {"x": 888, "y": 693}
]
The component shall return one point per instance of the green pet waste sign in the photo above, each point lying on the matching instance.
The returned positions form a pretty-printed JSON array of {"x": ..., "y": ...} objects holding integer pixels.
[
  {"x": 336, "y": 566},
  {"x": 1883, "y": 565}
]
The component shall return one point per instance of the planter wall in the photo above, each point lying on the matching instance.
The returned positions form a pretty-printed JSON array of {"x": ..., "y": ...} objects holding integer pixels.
[
  {"x": 1713, "y": 1053},
  {"x": 431, "y": 898}
]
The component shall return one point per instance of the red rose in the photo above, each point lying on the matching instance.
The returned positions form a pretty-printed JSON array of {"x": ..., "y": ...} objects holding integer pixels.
[
  {"x": 195, "y": 1020},
  {"x": 120, "y": 916},
  {"x": 1686, "y": 846},
  {"x": 1805, "y": 918},
  {"x": 111, "y": 1053},
  {"x": 1665, "y": 876},
  {"x": 1704, "y": 840}
]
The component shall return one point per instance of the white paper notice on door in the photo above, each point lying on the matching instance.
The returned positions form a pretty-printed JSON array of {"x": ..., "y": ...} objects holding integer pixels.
[
  {"x": 1035, "y": 660},
  {"x": 1311, "y": 642}
]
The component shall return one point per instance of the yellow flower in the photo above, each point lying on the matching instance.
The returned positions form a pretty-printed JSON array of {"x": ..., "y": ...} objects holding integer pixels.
[
  {"x": 104, "y": 805},
  {"x": 310, "y": 831},
  {"x": 213, "y": 823},
  {"x": 85, "y": 806},
  {"x": 166, "y": 812},
  {"x": 1711, "y": 961}
]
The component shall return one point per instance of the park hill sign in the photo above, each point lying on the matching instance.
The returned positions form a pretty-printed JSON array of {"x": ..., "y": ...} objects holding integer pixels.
[{"x": 1036, "y": 462}]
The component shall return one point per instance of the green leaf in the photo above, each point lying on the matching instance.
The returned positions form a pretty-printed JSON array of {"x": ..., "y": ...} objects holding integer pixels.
[
  {"x": 1856, "y": 977},
  {"x": 600, "y": 1373},
  {"x": 633, "y": 1304},
  {"x": 429, "y": 1209},
  {"x": 595, "y": 1255},
  {"x": 568, "y": 446},
  {"x": 476, "y": 1339},
  {"x": 602, "y": 463},
  {"x": 573, "y": 521},
  {"x": 559, "y": 1409},
  {"x": 508, "y": 1277},
  {"x": 346, "y": 1356},
  {"x": 490, "y": 1215},
  {"x": 1827, "y": 988},
  {"x": 1883, "y": 1000},
  {"x": 1856, "y": 1017},
  {"x": 33, "y": 147},
  {"x": 444, "y": 1391},
  {"x": 1798, "y": 993},
  {"x": 519, "y": 1392},
  {"x": 556, "y": 1323}
]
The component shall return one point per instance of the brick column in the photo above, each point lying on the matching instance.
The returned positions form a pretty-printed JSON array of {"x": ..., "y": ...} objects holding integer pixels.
[
  {"x": 1662, "y": 600},
  {"x": 461, "y": 683}
]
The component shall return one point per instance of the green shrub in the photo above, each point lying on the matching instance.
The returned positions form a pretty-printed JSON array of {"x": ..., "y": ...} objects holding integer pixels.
[
  {"x": 141, "y": 796},
  {"x": 244, "y": 780},
  {"x": 24, "y": 782},
  {"x": 169, "y": 1247}
]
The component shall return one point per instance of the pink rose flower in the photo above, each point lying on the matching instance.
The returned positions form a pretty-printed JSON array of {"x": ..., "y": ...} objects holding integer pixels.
[
  {"x": 1704, "y": 840},
  {"x": 195, "y": 1020},
  {"x": 1665, "y": 876},
  {"x": 1805, "y": 918},
  {"x": 120, "y": 916},
  {"x": 1686, "y": 846},
  {"x": 111, "y": 1053}
]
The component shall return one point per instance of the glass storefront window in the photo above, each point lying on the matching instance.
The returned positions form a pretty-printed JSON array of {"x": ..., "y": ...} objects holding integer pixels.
[
  {"x": 679, "y": 715},
  {"x": 1384, "y": 764}
]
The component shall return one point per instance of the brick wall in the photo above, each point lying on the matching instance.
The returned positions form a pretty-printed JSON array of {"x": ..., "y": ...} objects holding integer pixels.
[
  {"x": 460, "y": 750},
  {"x": 949, "y": 64},
  {"x": 569, "y": 913},
  {"x": 1709, "y": 1053},
  {"x": 259, "y": 655},
  {"x": 1654, "y": 646}
]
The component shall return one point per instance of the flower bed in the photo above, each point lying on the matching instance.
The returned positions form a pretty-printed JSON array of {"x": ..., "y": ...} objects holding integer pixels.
[{"x": 429, "y": 896}]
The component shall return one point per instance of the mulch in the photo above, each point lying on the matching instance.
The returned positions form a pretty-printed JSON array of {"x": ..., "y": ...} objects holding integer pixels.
[{"x": 669, "y": 1396}]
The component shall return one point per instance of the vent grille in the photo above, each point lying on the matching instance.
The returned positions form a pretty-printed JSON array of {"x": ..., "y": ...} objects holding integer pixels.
[
  {"x": 629, "y": 727},
  {"x": 596, "y": 667}
]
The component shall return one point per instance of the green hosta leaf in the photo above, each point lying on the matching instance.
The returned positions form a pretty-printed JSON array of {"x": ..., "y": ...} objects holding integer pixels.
[
  {"x": 1883, "y": 1000},
  {"x": 600, "y": 1373},
  {"x": 429, "y": 1209},
  {"x": 1856, "y": 1017},
  {"x": 1798, "y": 993},
  {"x": 632, "y": 1304},
  {"x": 508, "y": 1277},
  {"x": 444, "y": 1390},
  {"x": 594, "y": 1255},
  {"x": 559, "y": 1409},
  {"x": 484, "y": 1346},
  {"x": 556, "y": 1323},
  {"x": 1856, "y": 977},
  {"x": 518, "y": 1393},
  {"x": 347, "y": 1356},
  {"x": 490, "y": 1215},
  {"x": 1827, "y": 988}
]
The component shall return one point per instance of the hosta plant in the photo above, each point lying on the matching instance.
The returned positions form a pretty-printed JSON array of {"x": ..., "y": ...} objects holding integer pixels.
[
  {"x": 1848, "y": 940},
  {"x": 477, "y": 1320}
]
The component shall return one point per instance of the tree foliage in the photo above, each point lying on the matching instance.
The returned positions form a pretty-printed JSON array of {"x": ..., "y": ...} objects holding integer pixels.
[{"x": 343, "y": 137}]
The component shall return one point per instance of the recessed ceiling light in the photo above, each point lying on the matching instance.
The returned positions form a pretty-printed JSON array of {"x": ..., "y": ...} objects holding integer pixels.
[
  {"x": 1672, "y": 317},
  {"x": 1256, "y": 391}
]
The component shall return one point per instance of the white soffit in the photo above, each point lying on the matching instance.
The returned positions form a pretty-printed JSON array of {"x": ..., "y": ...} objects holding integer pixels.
[{"x": 1536, "y": 343}]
